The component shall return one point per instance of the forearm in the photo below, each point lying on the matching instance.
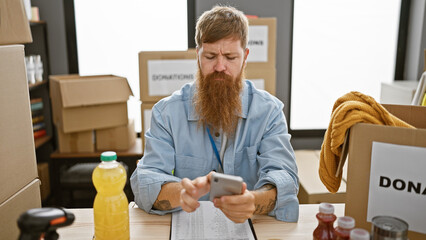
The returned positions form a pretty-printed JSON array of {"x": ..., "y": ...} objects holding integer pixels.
[
  {"x": 169, "y": 196},
  {"x": 264, "y": 199}
]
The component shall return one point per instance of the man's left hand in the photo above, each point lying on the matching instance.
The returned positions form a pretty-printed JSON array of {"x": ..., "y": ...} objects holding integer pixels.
[{"x": 237, "y": 208}]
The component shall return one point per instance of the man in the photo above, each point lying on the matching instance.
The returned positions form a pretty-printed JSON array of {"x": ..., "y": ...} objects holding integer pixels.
[{"x": 220, "y": 110}]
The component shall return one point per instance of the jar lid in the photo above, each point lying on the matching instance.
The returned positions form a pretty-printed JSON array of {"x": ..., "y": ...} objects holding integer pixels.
[{"x": 387, "y": 226}]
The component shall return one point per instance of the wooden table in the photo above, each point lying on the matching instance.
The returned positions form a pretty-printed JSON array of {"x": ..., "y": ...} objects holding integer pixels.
[
  {"x": 129, "y": 157},
  {"x": 147, "y": 226}
]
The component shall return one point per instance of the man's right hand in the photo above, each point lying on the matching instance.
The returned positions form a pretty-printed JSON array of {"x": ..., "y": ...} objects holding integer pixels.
[{"x": 192, "y": 191}]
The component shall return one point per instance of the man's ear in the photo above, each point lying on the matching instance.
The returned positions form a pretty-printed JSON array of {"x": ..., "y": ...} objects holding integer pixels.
[{"x": 246, "y": 53}]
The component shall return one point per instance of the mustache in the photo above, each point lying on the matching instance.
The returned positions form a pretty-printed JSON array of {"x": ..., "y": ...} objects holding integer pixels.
[{"x": 215, "y": 75}]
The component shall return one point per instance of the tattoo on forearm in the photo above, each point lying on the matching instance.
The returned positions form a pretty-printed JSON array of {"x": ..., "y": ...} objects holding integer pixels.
[
  {"x": 162, "y": 205},
  {"x": 266, "y": 206},
  {"x": 264, "y": 209},
  {"x": 259, "y": 209}
]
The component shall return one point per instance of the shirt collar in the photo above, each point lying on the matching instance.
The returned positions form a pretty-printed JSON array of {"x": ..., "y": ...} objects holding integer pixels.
[{"x": 192, "y": 114}]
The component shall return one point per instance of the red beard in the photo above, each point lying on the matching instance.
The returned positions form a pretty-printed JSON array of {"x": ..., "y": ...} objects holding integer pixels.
[{"x": 218, "y": 102}]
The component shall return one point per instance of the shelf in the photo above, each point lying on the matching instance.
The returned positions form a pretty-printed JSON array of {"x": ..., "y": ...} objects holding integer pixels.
[
  {"x": 40, "y": 141},
  {"x": 135, "y": 151},
  {"x": 33, "y": 22},
  {"x": 32, "y": 86}
]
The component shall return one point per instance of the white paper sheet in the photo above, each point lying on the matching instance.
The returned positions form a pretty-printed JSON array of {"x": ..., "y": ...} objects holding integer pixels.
[
  {"x": 167, "y": 76},
  {"x": 258, "y": 44},
  {"x": 207, "y": 223},
  {"x": 398, "y": 184}
]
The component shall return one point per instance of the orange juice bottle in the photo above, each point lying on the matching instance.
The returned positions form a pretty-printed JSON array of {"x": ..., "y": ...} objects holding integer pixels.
[{"x": 110, "y": 208}]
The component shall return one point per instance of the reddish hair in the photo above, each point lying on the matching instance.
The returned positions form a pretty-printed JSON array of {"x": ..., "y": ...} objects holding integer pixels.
[{"x": 221, "y": 22}]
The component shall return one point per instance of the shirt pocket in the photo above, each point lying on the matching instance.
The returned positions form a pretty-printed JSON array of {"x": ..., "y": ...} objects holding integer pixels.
[
  {"x": 191, "y": 167},
  {"x": 246, "y": 165}
]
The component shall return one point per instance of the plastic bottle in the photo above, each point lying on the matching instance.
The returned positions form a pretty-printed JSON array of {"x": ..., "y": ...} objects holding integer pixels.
[
  {"x": 344, "y": 226},
  {"x": 326, "y": 218},
  {"x": 31, "y": 70},
  {"x": 111, "y": 212},
  {"x": 38, "y": 65},
  {"x": 359, "y": 234}
]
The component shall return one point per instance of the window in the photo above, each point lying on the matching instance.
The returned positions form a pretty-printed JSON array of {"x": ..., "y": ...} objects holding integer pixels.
[
  {"x": 110, "y": 34},
  {"x": 339, "y": 46}
]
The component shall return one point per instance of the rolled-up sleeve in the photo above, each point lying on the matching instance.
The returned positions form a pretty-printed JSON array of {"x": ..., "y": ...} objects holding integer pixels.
[
  {"x": 156, "y": 167},
  {"x": 278, "y": 167}
]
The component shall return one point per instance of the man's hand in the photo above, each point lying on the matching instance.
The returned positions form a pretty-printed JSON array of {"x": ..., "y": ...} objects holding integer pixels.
[
  {"x": 192, "y": 191},
  {"x": 237, "y": 208}
]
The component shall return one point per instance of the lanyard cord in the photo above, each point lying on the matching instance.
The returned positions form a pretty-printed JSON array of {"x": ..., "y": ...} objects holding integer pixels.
[{"x": 214, "y": 148}]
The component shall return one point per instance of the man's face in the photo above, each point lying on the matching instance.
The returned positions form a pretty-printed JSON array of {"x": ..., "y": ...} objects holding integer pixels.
[
  {"x": 219, "y": 85},
  {"x": 223, "y": 56}
]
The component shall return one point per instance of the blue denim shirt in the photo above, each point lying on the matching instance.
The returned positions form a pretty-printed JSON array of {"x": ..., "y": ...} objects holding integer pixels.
[{"x": 177, "y": 147}]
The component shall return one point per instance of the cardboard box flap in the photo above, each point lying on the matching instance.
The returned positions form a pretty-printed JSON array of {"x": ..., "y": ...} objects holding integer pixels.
[
  {"x": 92, "y": 90},
  {"x": 413, "y": 115},
  {"x": 14, "y": 25},
  {"x": 165, "y": 55}
]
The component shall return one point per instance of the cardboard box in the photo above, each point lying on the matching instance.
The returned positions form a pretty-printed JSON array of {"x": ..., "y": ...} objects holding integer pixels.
[
  {"x": 262, "y": 42},
  {"x": 24, "y": 199},
  {"x": 43, "y": 175},
  {"x": 146, "y": 110},
  {"x": 14, "y": 25},
  {"x": 398, "y": 92},
  {"x": 76, "y": 142},
  {"x": 81, "y": 103},
  {"x": 311, "y": 189},
  {"x": 162, "y": 73},
  {"x": 424, "y": 61},
  {"x": 359, "y": 160},
  {"x": 17, "y": 154},
  {"x": 119, "y": 138},
  {"x": 263, "y": 78}
]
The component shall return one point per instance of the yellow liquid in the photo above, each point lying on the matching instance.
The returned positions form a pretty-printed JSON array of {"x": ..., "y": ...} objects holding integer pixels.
[{"x": 110, "y": 208}]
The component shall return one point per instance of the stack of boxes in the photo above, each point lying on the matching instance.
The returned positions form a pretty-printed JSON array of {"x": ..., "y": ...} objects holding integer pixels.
[
  {"x": 20, "y": 188},
  {"x": 86, "y": 108},
  {"x": 261, "y": 61},
  {"x": 162, "y": 73}
]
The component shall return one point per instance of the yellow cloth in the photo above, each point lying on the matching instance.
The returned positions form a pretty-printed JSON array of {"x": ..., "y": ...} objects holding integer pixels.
[{"x": 351, "y": 108}]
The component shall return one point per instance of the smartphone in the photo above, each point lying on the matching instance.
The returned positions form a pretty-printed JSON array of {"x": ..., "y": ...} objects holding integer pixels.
[{"x": 223, "y": 184}]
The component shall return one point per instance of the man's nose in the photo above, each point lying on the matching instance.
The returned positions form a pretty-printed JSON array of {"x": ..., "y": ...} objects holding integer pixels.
[{"x": 220, "y": 65}]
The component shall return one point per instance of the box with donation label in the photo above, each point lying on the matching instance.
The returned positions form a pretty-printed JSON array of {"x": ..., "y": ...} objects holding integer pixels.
[{"x": 386, "y": 171}]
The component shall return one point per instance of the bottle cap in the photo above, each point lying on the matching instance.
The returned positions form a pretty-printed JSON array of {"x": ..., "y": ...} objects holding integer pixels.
[
  {"x": 359, "y": 234},
  {"x": 326, "y": 208},
  {"x": 108, "y": 156},
  {"x": 346, "y": 222}
]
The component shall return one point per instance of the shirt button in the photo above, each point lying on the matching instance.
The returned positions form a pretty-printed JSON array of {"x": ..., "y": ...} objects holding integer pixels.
[{"x": 217, "y": 134}]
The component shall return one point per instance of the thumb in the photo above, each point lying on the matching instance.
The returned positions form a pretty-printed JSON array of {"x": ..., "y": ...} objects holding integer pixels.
[{"x": 243, "y": 188}]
